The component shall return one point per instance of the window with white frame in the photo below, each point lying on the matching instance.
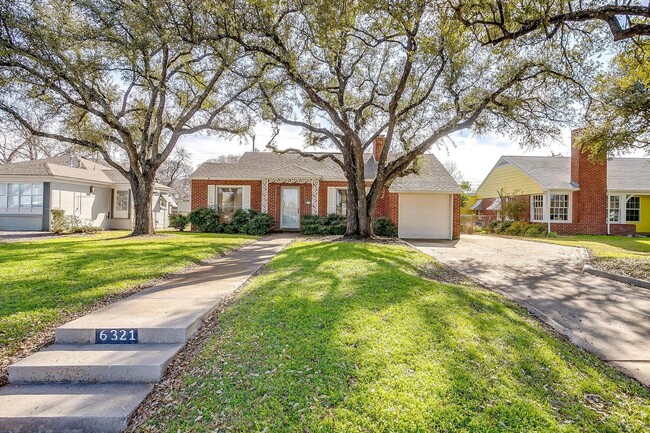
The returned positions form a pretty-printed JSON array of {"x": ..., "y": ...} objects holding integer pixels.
[
  {"x": 122, "y": 201},
  {"x": 538, "y": 207},
  {"x": 228, "y": 201},
  {"x": 559, "y": 207},
  {"x": 614, "y": 208},
  {"x": 341, "y": 201},
  {"x": 21, "y": 196},
  {"x": 633, "y": 209}
]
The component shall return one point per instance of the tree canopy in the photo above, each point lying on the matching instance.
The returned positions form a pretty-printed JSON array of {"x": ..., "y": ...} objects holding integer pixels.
[
  {"x": 120, "y": 78},
  {"x": 349, "y": 72}
]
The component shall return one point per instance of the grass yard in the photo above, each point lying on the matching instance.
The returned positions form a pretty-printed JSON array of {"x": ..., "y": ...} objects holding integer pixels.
[
  {"x": 619, "y": 254},
  {"x": 349, "y": 337},
  {"x": 42, "y": 280}
]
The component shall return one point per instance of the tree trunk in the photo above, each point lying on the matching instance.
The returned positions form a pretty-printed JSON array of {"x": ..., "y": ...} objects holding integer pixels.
[
  {"x": 142, "y": 190},
  {"x": 359, "y": 213}
]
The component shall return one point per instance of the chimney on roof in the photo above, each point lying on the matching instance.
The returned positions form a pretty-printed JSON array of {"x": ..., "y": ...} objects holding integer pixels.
[
  {"x": 590, "y": 201},
  {"x": 378, "y": 147}
]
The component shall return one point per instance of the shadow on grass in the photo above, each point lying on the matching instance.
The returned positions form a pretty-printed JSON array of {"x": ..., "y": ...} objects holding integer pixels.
[{"x": 340, "y": 337}]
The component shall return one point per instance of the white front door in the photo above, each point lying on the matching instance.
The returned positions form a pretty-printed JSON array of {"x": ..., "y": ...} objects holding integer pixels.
[{"x": 290, "y": 208}]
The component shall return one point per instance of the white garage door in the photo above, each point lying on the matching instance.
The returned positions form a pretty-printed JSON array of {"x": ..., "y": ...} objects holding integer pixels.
[{"x": 424, "y": 216}]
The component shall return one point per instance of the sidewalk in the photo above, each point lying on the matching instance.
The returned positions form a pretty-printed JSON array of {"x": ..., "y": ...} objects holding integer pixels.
[{"x": 102, "y": 365}]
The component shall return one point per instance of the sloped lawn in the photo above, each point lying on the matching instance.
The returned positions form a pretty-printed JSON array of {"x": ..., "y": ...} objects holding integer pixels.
[
  {"x": 349, "y": 337},
  {"x": 620, "y": 254},
  {"x": 42, "y": 280}
]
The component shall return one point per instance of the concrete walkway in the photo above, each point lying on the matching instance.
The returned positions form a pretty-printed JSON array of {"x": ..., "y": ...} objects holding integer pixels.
[
  {"x": 83, "y": 384},
  {"x": 607, "y": 318}
]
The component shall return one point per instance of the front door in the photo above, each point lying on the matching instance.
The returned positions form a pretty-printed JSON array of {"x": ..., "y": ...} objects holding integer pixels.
[{"x": 290, "y": 208}]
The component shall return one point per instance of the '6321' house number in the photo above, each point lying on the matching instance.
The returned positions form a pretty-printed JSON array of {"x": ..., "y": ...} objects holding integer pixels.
[{"x": 116, "y": 336}]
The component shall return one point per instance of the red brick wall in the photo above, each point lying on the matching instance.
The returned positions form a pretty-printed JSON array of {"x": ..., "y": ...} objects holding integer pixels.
[
  {"x": 200, "y": 191},
  {"x": 456, "y": 211},
  {"x": 387, "y": 204},
  {"x": 593, "y": 229}
]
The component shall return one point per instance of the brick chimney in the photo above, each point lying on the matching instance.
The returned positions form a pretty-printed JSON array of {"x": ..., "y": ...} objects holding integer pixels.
[
  {"x": 590, "y": 202},
  {"x": 378, "y": 147}
]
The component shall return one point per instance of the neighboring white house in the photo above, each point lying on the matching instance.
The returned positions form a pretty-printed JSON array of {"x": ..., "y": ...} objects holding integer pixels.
[{"x": 96, "y": 193}]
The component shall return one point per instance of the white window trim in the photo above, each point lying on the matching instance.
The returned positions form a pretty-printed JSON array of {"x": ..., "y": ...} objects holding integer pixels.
[
  {"x": 623, "y": 210},
  {"x": 532, "y": 208},
  {"x": 547, "y": 207},
  {"x": 245, "y": 196}
]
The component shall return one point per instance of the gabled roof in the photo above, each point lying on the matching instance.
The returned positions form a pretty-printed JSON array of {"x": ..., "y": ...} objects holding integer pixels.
[
  {"x": 554, "y": 172},
  {"x": 263, "y": 165},
  {"x": 81, "y": 169}
]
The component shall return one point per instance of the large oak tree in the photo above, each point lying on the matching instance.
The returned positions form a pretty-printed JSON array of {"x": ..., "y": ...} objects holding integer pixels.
[
  {"x": 120, "y": 78},
  {"x": 348, "y": 72}
]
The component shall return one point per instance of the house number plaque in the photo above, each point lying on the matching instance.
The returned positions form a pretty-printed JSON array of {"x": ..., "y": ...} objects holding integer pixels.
[{"x": 116, "y": 336}]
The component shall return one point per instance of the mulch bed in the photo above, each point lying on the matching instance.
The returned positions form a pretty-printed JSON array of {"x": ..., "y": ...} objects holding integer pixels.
[{"x": 635, "y": 268}]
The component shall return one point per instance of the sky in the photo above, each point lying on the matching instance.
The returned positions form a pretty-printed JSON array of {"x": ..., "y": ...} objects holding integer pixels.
[{"x": 474, "y": 156}]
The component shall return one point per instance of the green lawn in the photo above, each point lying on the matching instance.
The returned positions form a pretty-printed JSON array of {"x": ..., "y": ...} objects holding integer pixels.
[
  {"x": 42, "y": 279},
  {"x": 619, "y": 254},
  {"x": 349, "y": 337}
]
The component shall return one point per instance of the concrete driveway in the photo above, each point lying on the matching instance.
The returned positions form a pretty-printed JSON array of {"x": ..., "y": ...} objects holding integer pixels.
[{"x": 610, "y": 319}]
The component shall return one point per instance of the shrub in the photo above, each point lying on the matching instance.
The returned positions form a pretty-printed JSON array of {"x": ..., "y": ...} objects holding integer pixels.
[
  {"x": 178, "y": 221},
  {"x": 241, "y": 217},
  {"x": 259, "y": 224},
  {"x": 71, "y": 224},
  {"x": 205, "y": 220},
  {"x": 535, "y": 230},
  {"x": 552, "y": 235},
  {"x": 229, "y": 229},
  {"x": 385, "y": 227},
  {"x": 331, "y": 224},
  {"x": 58, "y": 224},
  {"x": 517, "y": 228}
]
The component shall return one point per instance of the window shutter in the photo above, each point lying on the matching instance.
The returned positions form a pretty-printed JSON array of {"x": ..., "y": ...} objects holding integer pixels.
[
  {"x": 212, "y": 189},
  {"x": 331, "y": 199},
  {"x": 246, "y": 197}
]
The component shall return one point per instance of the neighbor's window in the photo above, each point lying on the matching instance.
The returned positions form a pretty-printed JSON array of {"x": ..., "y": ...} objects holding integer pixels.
[
  {"x": 538, "y": 207},
  {"x": 341, "y": 201},
  {"x": 559, "y": 209},
  {"x": 228, "y": 201},
  {"x": 122, "y": 201},
  {"x": 633, "y": 209},
  {"x": 614, "y": 208},
  {"x": 21, "y": 195}
]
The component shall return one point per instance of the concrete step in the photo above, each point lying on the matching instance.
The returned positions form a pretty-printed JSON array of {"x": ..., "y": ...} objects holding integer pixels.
[
  {"x": 71, "y": 408},
  {"x": 158, "y": 320},
  {"x": 133, "y": 363}
]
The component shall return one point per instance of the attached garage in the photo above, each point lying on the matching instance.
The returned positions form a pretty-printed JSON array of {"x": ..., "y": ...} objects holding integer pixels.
[{"x": 425, "y": 216}]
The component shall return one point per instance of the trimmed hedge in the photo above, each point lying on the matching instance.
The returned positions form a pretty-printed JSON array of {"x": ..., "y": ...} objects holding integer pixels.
[
  {"x": 385, "y": 227},
  {"x": 247, "y": 222},
  {"x": 331, "y": 224}
]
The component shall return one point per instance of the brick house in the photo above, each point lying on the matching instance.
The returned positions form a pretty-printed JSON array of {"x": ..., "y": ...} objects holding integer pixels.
[
  {"x": 572, "y": 195},
  {"x": 424, "y": 205}
]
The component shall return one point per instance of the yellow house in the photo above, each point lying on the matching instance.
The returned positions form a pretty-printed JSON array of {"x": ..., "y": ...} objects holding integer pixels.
[{"x": 572, "y": 195}]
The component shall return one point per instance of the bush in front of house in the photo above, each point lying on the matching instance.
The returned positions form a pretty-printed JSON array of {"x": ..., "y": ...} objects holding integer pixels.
[
  {"x": 62, "y": 224},
  {"x": 205, "y": 220},
  {"x": 517, "y": 228},
  {"x": 259, "y": 224},
  {"x": 385, "y": 227},
  {"x": 328, "y": 225},
  {"x": 178, "y": 221}
]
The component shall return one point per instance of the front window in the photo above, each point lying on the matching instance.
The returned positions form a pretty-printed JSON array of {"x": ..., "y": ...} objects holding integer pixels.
[
  {"x": 559, "y": 209},
  {"x": 228, "y": 201},
  {"x": 614, "y": 208},
  {"x": 21, "y": 195},
  {"x": 538, "y": 207},
  {"x": 633, "y": 209},
  {"x": 341, "y": 201},
  {"x": 122, "y": 201}
]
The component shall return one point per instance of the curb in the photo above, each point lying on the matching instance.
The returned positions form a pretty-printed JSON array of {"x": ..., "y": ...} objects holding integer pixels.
[{"x": 616, "y": 277}]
